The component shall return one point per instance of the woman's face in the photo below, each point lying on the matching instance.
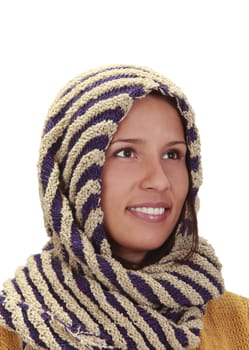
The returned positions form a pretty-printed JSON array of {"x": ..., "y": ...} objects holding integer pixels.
[{"x": 145, "y": 179}]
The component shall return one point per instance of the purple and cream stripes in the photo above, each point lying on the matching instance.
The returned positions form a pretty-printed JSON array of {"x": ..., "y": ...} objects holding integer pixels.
[{"x": 74, "y": 294}]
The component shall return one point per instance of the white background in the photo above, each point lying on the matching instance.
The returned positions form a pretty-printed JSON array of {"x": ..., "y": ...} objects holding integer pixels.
[{"x": 201, "y": 45}]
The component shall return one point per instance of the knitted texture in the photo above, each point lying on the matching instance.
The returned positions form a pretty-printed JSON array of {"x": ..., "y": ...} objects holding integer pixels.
[
  {"x": 75, "y": 295},
  {"x": 9, "y": 340},
  {"x": 225, "y": 326}
]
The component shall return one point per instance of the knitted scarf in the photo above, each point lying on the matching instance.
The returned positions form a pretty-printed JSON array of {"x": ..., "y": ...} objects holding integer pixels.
[{"x": 75, "y": 294}]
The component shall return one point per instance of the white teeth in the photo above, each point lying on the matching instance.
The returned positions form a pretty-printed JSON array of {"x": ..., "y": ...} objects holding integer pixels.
[{"x": 151, "y": 211}]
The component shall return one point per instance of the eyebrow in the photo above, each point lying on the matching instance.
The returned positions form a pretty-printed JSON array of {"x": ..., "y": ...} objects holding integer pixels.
[{"x": 136, "y": 141}]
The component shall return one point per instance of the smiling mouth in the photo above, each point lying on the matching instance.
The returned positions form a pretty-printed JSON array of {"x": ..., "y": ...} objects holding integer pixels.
[
  {"x": 149, "y": 214},
  {"x": 147, "y": 210}
]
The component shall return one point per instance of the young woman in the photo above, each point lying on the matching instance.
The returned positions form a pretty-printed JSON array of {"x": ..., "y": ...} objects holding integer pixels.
[{"x": 124, "y": 268}]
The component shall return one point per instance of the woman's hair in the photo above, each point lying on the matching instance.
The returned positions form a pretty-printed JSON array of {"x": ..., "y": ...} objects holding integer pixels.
[{"x": 189, "y": 206}]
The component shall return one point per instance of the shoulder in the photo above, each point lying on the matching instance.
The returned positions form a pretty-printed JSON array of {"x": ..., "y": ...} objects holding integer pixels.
[
  {"x": 9, "y": 340},
  {"x": 230, "y": 303},
  {"x": 226, "y": 323}
]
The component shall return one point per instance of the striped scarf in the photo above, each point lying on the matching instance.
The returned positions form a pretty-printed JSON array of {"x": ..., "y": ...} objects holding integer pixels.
[{"x": 75, "y": 294}]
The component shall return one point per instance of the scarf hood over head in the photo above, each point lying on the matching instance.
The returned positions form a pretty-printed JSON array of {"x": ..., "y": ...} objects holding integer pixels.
[{"x": 75, "y": 295}]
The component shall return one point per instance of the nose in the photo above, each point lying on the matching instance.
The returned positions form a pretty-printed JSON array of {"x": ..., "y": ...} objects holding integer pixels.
[{"x": 154, "y": 176}]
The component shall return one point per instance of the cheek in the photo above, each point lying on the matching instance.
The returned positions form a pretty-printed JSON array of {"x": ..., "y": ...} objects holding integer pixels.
[
  {"x": 185, "y": 184},
  {"x": 117, "y": 178},
  {"x": 116, "y": 186},
  {"x": 180, "y": 179},
  {"x": 114, "y": 196}
]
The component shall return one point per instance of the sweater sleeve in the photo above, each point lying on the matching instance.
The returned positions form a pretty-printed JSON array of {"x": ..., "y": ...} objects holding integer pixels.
[
  {"x": 9, "y": 340},
  {"x": 247, "y": 303},
  {"x": 226, "y": 324}
]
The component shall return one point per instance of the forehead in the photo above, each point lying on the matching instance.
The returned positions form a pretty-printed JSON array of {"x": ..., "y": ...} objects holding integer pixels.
[{"x": 150, "y": 116}]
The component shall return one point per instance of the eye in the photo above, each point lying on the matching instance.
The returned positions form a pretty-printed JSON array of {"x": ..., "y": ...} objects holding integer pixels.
[
  {"x": 125, "y": 153},
  {"x": 174, "y": 154}
]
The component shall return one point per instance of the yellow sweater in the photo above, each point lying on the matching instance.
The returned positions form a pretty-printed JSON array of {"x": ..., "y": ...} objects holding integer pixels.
[{"x": 226, "y": 326}]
